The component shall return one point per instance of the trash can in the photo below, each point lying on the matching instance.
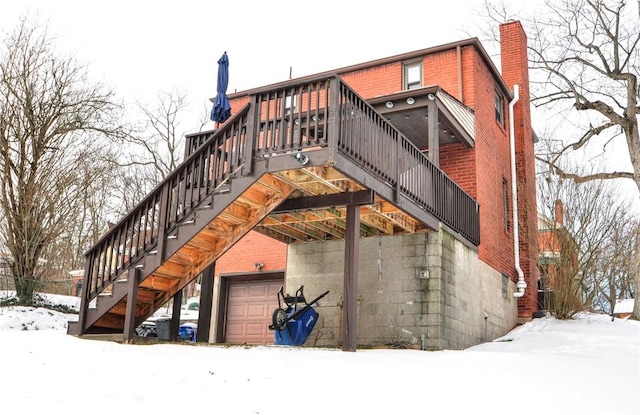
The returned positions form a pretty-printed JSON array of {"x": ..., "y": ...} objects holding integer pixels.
[
  {"x": 187, "y": 332},
  {"x": 163, "y": 328}
]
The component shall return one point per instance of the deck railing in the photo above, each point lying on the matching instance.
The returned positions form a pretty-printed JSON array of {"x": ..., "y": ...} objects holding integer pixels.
[
  {"x": 378, "y": 147},
  {"x": 291, "y": 118}
]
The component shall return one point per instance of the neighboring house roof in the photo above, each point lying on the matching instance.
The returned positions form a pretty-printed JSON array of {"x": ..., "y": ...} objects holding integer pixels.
[{"x": 624, "y": 306}]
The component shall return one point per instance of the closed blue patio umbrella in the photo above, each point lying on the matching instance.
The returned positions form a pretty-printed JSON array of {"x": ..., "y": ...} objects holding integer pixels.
[{"x": 221, "y": 110}]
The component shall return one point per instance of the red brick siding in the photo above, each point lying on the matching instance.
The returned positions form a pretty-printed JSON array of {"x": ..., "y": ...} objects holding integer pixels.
[
  {"x": 515, "y": 71},
  {"x": 492, "y": 167},
  {"x": 380, "y": 80},
  {"x": 458, "y": 162},
  {"x": 442, "y": 69},
  {"x": 480, "y": 171},
  {"x": 253, "y": 247}
]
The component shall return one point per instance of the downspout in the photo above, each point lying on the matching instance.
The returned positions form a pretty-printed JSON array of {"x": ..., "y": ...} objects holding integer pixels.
[{"x": 521, "y": 285}]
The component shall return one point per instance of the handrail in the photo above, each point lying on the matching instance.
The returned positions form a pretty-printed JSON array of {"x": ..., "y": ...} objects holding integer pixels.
[
  {"x": 169, "y": 203},
  {"x": 294, "y": 116},
  {"x": 375, "y": 145}
]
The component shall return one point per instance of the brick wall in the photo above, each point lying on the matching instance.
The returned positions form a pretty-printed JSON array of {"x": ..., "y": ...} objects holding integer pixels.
[
  {"x": 480, "y": 171},
  {"x": 515, "y": 71},
  {"x": 253, "y": 247}
]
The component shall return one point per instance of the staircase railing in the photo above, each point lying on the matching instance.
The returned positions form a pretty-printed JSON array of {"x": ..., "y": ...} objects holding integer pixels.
[
  {"x": 144, "y": 229},
  {"x": 321, "y": 112}
]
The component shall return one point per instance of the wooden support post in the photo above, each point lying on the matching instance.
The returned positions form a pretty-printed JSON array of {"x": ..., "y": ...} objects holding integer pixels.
[
  {"x": 162, "y": 221},
  {"x": 130, "y": 312},
  {"x": 350, "y": 295},
  {"x": 251, "y": 137},
  {"x": 434, "y": 139},
  {"x": 174, "y": 325},
  {"x": 85, "y": 292},
  {"x": 397, "y": 159},
  {"x": 206, "y": 303},
  {"x": 333, "y": 118}
]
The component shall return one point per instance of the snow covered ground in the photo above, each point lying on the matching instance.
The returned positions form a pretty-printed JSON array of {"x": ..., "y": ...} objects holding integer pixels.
[{"x": 590, "y": 365}]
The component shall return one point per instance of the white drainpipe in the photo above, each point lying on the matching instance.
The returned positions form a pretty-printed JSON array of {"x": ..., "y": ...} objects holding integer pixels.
[{"x": 521, "y": 285}]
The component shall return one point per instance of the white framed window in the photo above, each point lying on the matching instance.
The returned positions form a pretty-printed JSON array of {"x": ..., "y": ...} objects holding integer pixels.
[{"x": 412, "y": 75}]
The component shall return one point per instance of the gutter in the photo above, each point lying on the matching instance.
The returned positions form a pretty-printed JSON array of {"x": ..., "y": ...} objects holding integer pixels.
[{"x": 521, "y": 285}]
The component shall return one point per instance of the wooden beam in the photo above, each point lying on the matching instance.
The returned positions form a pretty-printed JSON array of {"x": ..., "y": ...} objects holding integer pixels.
[
  {"x": 362, "y": 197},
  {"x": 174, "y": 325},
  {"x": 350, "y": 293},
  {"x": 433, "y": 134},
  {"x": 206, "y": 304},
  {"x": 130, "y": 313}
]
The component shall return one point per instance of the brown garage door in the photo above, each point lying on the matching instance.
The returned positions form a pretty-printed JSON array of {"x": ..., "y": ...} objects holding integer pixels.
[{"x": 250, "y": 305}]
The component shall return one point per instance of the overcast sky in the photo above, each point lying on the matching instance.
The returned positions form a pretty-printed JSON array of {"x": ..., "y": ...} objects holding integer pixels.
[
  {"x": 144, "y": 47},
  {"x": 141, "y": 48}
]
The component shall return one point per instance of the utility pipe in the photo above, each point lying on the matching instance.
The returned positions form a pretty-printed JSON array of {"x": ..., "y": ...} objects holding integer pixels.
[{"x": 521, "y": 285}]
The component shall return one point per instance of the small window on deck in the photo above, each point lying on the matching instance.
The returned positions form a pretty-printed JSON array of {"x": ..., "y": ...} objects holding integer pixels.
[{"x": 412, "y": 75}]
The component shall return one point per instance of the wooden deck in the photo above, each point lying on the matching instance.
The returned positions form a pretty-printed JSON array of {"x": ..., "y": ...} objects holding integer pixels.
[{"x": 287, "y": 165}]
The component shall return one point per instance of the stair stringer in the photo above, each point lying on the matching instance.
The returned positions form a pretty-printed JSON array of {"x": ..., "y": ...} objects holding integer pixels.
[{"x": 186, "y": 254}]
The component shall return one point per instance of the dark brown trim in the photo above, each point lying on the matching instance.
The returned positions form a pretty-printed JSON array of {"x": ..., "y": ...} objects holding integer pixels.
[
  {"x": 206, "y": 304},
  {"x": 350, "y": 296},
  {"x": 363, "y": 197},
  {"x": 130, "y": 313},
  {"x": 460, "y": 84}
]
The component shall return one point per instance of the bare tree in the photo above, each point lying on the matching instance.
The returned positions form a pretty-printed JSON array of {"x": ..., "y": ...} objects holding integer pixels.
[
  {"x": 584, "y": 244},
  {"x": 52, "y": 121},
  {"x": 154, "y": 150},
  {"x": 589, "y": 51},
  {"x": 584, "y": 65},
  {"x": 613, "y": 275}
]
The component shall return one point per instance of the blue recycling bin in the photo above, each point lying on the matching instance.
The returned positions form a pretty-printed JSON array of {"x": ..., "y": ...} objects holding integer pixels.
[
  {"x": 187, "y": 332},
  {"x": 297, "y": 330}
]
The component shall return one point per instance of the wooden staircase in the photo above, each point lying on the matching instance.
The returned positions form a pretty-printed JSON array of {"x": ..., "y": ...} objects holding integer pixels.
[
  {"x": 196, "y": 242},
  {"x": 322, "y": 152}
]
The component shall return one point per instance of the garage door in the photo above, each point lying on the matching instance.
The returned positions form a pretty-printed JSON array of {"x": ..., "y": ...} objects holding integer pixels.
[{"x": 250, "y": 305}]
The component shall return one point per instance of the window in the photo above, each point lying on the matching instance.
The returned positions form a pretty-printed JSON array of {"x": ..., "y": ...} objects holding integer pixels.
[
  {"x": 412, "y": 75},
  {"x": 499, "y": 105},
  {"x": 505, "y": 285},
  {"x": 505, "y": 203},
  {"x": 290, "y": 104}
]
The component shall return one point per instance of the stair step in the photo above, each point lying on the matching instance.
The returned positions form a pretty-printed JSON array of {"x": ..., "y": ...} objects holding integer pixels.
[{"x": 225, "y": 188}]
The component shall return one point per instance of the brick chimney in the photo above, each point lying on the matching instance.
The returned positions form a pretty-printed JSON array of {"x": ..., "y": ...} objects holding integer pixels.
[
  {"x": 515, "y": 71},
  {"x": 559, "y": 212}
]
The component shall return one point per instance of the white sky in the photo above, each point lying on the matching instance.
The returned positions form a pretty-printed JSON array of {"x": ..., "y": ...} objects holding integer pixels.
[
  {"x": 590, "y": 366},
  {"x": 144, "y": 47}
]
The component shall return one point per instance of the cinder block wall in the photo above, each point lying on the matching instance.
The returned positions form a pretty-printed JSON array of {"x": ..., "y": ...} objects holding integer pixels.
[{"x": 406, "y": 298}]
